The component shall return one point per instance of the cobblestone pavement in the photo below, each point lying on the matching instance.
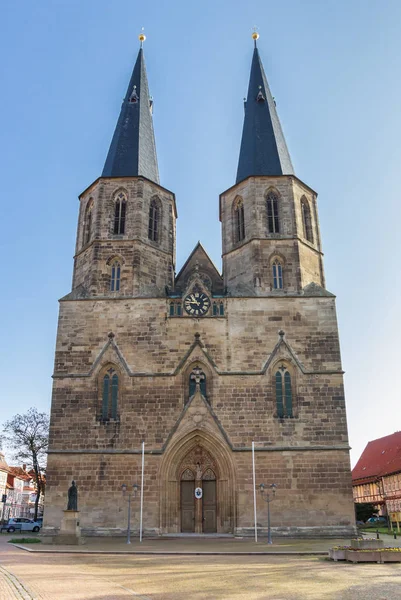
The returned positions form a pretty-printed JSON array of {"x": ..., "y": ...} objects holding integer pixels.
[{"x": 118, "y": 577}]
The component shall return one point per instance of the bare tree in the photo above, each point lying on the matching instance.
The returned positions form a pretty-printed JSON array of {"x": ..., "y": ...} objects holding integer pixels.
[{"x": 27, "y": 436}]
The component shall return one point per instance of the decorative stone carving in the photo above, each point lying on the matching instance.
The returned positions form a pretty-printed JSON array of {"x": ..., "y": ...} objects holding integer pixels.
[
  {"x": 198, "y": 461},
  {"x": 209, "y": 475},
  {"x": 188, "y": 475}
]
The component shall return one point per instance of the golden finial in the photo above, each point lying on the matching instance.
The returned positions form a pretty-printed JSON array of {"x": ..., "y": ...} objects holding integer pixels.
[
  {"x": 142, "y": 36},
  {"x": 255, "y": 35}
]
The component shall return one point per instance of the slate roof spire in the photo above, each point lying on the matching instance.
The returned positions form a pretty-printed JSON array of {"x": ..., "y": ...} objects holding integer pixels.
[
  {"x": 132, "y": 150},
  {"x": 263, "y": 148}
]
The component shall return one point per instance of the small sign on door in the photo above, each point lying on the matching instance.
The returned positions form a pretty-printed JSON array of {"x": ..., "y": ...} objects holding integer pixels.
[{"x": 198, "y": 493}]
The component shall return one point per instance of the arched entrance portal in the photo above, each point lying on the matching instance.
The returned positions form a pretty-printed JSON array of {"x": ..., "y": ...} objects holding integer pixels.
[
  {"x": 197, "y": 461},
  {"x": 198, "y": 511}
]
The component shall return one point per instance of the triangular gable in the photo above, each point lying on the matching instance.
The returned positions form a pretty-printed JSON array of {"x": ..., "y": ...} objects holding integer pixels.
[
  {"x": 201, "y": 261},
  {"x": 187, "y": 357},
  {"x": 283, "y": 350},
  {"x": 194, "y": 416},
  {"x": 110, "y": 350}
]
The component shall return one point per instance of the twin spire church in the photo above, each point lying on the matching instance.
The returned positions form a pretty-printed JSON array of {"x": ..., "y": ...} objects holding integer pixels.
[{"x": 198, "y": 365}]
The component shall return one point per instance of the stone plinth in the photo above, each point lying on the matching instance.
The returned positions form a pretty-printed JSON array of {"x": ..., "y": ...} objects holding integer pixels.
[{"x": 70, "y": 531}]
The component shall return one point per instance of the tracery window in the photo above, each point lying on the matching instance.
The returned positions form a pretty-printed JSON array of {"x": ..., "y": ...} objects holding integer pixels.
[
  {"x": 110, "y": 395},
  {"x": 239, "y": 221},
  {"x": 88, "y": 223},
  {"x": 307, "y": 220},
  {"x": 154, "y": 217},
  {"x": 277, "y": 269},
  {"x": 197, "y": 376},
  {"x": 115, "y": 276},
  {"x": 283, "y": 392},
  {"x": 273, "y": 222},
  {"x": 119, "y": 214}
]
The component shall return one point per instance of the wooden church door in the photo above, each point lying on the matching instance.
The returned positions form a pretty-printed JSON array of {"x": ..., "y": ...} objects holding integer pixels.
[
  {"x": 209, "y": 507},
  {"x": 188, "y": 502}
]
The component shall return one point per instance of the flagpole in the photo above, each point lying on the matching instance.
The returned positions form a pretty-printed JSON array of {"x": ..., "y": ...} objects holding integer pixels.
[
  {"x": 143, "y": 466},
  {"x": 254, "y": 491}
]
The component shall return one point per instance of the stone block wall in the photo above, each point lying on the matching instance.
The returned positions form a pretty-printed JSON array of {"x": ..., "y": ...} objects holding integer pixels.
[
  {"x": 147, "y": 266},
  {"x": 247, "y": 264},
  {"x": 306, "y": 455}
]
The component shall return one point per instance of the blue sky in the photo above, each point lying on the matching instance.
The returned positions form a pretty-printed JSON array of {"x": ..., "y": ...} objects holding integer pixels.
[{"x": 333, "y": 67}]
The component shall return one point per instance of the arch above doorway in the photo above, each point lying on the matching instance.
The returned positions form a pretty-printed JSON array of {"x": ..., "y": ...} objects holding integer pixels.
[{"x": 208, "y": 459}]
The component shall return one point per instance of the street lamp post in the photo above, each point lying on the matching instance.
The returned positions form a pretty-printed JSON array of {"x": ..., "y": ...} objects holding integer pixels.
[
  {"x": 268, "y": 496},
  {"x": 132, "y": 494}
]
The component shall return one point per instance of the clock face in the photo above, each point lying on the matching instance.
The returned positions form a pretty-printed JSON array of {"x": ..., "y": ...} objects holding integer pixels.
[{"x": 197, "y": 304}]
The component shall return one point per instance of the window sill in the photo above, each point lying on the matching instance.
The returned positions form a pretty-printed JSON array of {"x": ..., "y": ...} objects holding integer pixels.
[{"x": 285, "y": 417}]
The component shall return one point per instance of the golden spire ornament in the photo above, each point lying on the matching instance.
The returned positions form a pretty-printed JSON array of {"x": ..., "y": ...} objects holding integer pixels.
[{"x": 142, "y": 36}]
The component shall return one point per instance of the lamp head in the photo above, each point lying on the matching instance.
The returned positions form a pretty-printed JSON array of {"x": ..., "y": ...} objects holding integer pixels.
[
  {"x": 262, "y": 488},
  {"x": 135, "y": 488},
  {"x": 124, "y": 488}
]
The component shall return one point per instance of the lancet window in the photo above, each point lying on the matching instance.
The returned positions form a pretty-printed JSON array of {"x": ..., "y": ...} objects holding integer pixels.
[
  {"x": 88, "y": 222},
  {"x": 239, "y": 220},
  {"x": 154, "y": 218},
  {"x": 115, "y": 276},
  {"x": 110, "y": 395},
  {"x": 283, "y": 392},
  {"x": 197, "y": 376},
  {"x": 307, "y": 220},
  {"x": 119, "y": 214},
  {"x": 273, "y": 222},
  {"x": 277, "y": 269}
]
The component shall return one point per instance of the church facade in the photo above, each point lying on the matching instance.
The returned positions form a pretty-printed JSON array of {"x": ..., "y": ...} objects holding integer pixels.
[{"x": 198, "y": 365}]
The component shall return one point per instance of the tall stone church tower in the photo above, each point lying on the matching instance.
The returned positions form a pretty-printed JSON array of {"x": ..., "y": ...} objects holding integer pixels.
[{"x": 199, "y": 365}]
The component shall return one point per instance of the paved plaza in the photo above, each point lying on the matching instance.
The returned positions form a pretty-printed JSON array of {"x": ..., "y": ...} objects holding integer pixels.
[{"x": 110, "y": 575}]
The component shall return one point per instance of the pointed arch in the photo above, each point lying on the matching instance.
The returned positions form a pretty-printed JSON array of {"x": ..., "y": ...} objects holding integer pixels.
[
  {"x": 154, "y": 225},
  {"x": 109, "y": 384},
  {"x": 197, "y": 368},
  {"x": 88, "y": 222},
  {"x": 120, "y": 209},
  {"x": 283, "y": 385},
  {"x": 306, "y": 220},
  {"x": 115, "y": 276},
  {"x": 170, "y": 471},
  {"x": 238, "y": 219},
  {"x": 272, "y": 207},
  {"x": 277, "y": 274}
]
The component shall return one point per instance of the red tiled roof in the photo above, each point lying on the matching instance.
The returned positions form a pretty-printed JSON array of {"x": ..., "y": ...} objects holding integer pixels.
[
  {"x": 19, "y": 472},
  {"x": 380, "y": 457}
]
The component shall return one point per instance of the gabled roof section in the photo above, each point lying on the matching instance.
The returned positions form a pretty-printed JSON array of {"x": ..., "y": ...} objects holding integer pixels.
[
  {"x": 263, "y": 147},
  {"x": 199, "y": 260},
  {"x": 380, "y": 457},
  {"x": 132, "y": 151}
]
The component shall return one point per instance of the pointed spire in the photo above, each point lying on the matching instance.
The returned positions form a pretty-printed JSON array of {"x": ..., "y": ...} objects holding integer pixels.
[
  {"x": 263, "y": 148},
  {"x": 133, "y": 150}
]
